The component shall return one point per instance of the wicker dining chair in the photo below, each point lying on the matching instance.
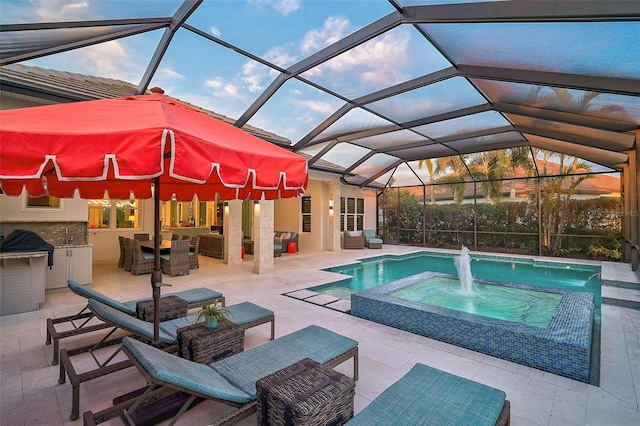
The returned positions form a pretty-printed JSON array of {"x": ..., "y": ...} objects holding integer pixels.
[
  {"x": 177, "y": 261},
  {"x": 128, "y": 255},
  {"x": 175, "y": 237},
  {"x": 142, "y": 263},
  {"x": 186, "y": 237},
  {"x": 193, "y": 254},
  {"x": 122, "y": 242},
  {"x": 141, "y": 237}
]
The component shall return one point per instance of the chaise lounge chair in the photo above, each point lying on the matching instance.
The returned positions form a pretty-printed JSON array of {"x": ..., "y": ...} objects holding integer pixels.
[
  {"x": 245, "y": 315},
  {"x": 427, "y": 396},
  {"x": 195, "y": 298},
  {"x": 231, "y": 380}
]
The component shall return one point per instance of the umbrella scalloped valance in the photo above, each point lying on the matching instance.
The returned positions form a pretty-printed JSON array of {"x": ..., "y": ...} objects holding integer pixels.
[{"x": 120, "y": 145}]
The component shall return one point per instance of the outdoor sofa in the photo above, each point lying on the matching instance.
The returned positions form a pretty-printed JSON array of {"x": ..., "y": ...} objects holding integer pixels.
[
  {"x": 353, "y": 240},
  {"x": 245, "y": 315},
  {"x": 284, "y": 238},
  {"x": 231, "y": 380}
]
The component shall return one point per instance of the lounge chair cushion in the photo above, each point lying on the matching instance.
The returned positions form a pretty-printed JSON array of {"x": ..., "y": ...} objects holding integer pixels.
[
  {"x": 184, "y": 374},
  {"x": 195, "y": 295},
  {"x": 426, "y": 395},
  {"x": 127, "y": 321},
  {"x": 240, "y": 314},
  {"x": 243, "y": 370},
  {"x": 246, "y": 312},
  {"x": 89, "y": 293}
]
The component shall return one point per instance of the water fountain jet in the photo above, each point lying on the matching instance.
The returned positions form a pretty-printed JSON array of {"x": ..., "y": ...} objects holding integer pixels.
[{"x": 463, "y": 265}]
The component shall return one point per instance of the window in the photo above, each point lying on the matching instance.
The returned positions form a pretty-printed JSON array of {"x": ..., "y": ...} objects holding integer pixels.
[
  {"x": 306, "y": 214},
  {"x": 351, "y": 214},
  {"x": 103, "y": 214},
  {"x": 45, "y": 202},
  {"x": 42, "y": 204}
]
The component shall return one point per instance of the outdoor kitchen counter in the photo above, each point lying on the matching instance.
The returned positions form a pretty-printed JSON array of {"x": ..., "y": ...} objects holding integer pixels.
[{"x": 22, "y": 279}]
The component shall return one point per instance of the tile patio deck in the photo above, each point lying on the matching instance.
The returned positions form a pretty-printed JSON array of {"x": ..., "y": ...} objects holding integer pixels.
[{"x": 31, "y": 395}]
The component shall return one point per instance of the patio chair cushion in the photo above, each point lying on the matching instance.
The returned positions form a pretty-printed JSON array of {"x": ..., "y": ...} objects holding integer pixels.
[
  {"x": 369, "y": 233},
  {"x": 426, "y": 395},
  {"x": 192, "y": 296},
  {"x": 184, "y": 374},
  {"x": 240, "y": 314},
  {"x": 246, "y": 368},
  {"x": 127, "y": 321}
]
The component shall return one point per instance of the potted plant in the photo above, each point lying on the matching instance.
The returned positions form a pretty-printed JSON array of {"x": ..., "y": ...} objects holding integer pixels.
[{"x": 212, "y": 315}]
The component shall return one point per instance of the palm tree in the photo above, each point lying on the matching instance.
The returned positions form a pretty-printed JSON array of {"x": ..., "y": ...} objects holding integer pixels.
[
  {"x": 518, "y": 158},
  {"x": 429, "y": 165},
  {"x": 557, "y": 193}
]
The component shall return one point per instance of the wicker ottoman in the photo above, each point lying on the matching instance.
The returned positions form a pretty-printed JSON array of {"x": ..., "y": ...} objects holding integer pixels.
[
  {"x": 303, "y": 394},
  {"x": 170, "y": 307}
]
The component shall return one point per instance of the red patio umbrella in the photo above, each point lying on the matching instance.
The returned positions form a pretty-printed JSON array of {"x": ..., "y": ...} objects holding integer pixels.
[{"x": 141, "y": 146}]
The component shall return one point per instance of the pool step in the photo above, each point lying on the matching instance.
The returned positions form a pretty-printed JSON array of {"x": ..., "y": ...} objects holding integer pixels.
[
  {"x": 321, "y": 299},
  {"x": 619, "y": 296},
  {"x": 620, "y": 285}
]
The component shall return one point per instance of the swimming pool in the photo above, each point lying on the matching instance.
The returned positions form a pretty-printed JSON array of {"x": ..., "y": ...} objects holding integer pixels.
[
  {"x": 376, "y": 271},
  {"x": 368, "y": 281}
]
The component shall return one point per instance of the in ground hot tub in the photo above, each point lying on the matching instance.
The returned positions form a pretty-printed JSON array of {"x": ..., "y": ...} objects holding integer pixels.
[{"x": 562, "y": 347}]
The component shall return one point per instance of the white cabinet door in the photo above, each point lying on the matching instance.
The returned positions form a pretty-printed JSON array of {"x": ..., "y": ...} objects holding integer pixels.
[
  {"x": 70, "y": 263},
  {"x": 57, "y": 276},
  {"x": 80, "y": 266}
]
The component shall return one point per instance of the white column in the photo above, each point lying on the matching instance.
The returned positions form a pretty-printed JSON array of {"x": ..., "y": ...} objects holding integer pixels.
[
  {"x": 334, "y": 217},
  {"x": 233, "y": 232},
  {"x": 263, "y": 216}
]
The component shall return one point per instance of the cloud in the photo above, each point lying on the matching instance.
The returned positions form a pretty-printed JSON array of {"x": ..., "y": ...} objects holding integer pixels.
[
  {"x": 334, "y": 29},
  {"x": 110, "y": 59},
  {"x": 223, "y": 89},
  {"x": 283, "y": 7},
  {"x": 215, "y": 31},
  {"x": 371, "y": 60}
]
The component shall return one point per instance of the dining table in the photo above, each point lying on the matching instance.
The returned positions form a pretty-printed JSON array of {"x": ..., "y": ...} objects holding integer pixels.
[{"x": 147, "y": 246}]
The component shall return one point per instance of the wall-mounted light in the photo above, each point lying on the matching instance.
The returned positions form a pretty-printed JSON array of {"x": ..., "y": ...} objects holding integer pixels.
[
  {"x": 256, "y": 206},
  {"x": 331, "y": 207}
]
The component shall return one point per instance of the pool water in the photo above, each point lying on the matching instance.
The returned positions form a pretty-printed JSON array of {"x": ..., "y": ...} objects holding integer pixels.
[
  {"x": 513, "y": 304},
  {"x": 374, "y": 272}
]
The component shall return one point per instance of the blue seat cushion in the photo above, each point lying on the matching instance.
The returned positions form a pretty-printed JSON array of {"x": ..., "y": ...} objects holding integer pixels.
[
  {"x": 243, "y": 370},
  {"x": 192, "y": 296},
  {"x": 240, "y": 314},
  {"x": 147, "y": 256},
  {"x": 374, "y": 240},
  {"x": 184, "y": 374},
  {"x": 247, "y": 312},
  {"x": 369, "y": 233},
  {"x": 127, "y": 322},
  {"x": 426, "y": 395},
  {"x": 89, "y": 293}
]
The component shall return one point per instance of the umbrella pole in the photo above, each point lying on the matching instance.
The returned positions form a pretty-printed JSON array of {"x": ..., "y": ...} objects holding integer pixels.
[{"x": 156, "y": 275}]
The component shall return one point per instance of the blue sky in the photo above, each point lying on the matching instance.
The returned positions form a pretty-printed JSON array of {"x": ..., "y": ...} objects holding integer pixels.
[{"x": 282, "y": 32}]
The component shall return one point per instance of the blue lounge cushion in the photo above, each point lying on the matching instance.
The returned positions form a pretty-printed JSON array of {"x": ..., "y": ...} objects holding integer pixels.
[
  {"x": 89, "y": 293},
  {"x": 374, "y": 240},
  {"x": 243, "y": 370},
  {"x": 195, "y": 295},
  {"x": 428, "y": 396},
  {"x": 240, "y": 314},
  {"x": 247, "y": 312},
  {"x": 128, "y": 322},
  {"x": 184, "y": 374}
]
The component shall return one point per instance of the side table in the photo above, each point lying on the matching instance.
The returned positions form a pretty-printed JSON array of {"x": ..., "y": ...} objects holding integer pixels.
[
  {"x": 306, "y": 393},
  {"x": 170, "y": 307},
  {"x": 205, "y": 345}
]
